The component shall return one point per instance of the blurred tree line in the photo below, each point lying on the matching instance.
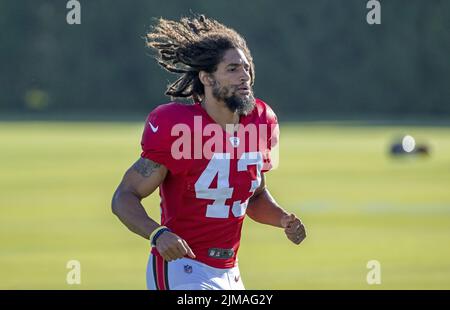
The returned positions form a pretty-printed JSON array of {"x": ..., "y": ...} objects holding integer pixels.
[{"x": 313, "y": 57}]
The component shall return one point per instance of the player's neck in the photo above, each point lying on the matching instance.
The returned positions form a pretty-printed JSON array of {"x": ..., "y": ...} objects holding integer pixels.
[{"x": 220, "y": 113}]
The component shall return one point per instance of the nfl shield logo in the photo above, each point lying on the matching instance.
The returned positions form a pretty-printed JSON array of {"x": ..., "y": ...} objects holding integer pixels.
[
  {"x": 234, "y": 141},
  {"x": 187, "y": 268}
]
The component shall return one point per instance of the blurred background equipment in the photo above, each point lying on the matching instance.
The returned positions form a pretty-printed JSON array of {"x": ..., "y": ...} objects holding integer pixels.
[{"x": 407, "y": 146}]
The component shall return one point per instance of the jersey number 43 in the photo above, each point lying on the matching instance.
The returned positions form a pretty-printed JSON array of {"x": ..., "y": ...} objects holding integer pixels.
[{"x": 220, "y": 165}]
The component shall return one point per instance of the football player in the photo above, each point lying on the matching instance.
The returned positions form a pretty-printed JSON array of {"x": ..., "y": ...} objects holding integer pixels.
[{"x": 208, "y": 159}]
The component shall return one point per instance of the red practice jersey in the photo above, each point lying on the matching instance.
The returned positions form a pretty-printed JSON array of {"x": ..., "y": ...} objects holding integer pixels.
[{"x": 211, "y": 174}]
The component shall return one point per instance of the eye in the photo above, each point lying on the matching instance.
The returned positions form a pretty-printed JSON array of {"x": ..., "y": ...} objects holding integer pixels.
[{"x": 232, "y": 69}]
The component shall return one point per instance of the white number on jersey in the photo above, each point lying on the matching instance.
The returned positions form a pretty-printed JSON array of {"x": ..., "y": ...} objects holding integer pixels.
[{"x": 220, "y": 165}]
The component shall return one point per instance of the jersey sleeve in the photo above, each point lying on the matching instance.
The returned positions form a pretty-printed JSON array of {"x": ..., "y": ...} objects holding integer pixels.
[
  {"x": 271, "y": 153},
  {"x": 157, "y": 140}
]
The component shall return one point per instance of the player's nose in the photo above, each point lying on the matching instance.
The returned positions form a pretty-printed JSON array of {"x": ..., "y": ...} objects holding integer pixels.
[{"x": 245, "y": 77}]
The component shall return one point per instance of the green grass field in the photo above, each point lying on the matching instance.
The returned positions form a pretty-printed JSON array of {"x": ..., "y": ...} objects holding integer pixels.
[{"x": 57, "y": 179}]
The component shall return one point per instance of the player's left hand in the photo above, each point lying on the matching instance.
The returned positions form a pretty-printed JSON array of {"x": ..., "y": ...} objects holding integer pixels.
[{"x": 293, "y": 228}]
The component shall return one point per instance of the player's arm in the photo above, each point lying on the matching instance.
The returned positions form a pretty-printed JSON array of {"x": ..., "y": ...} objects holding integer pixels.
[
  {"x": 263, "y": 208},
  {"x": 141, "y": 180}
]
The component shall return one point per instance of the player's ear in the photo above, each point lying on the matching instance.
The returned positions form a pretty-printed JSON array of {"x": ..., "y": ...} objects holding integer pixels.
[{"x": 206, "y": 78}]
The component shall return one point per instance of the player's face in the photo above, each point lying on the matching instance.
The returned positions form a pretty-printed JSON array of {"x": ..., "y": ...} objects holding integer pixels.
[{"x": 232, "y": 82}]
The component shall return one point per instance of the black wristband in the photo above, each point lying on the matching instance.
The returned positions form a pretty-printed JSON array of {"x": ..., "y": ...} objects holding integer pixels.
[{"x": 159, "y": 233}]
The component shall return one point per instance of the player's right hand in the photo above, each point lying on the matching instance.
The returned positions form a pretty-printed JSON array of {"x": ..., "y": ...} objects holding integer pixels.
[{"x": 171, "y": 247}]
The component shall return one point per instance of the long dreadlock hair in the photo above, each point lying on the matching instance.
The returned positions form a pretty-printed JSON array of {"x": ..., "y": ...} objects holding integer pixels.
[{"x": 190, "y": 46}]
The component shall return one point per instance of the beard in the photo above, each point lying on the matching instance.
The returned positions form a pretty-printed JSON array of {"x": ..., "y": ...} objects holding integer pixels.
[{"x": 241, "y": 105}]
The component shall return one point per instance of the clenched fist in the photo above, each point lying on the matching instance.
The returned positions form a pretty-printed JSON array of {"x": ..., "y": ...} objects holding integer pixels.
[
  {"x": 172, "y": 247},
  {"x": 293, "y": 228}
]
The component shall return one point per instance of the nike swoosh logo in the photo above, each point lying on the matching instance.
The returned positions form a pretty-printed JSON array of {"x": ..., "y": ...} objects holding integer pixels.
[{"x": 154, "y": 129}]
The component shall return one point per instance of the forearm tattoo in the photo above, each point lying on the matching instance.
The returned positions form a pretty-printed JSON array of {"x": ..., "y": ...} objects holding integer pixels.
[{"x": 145, "y": 167}]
